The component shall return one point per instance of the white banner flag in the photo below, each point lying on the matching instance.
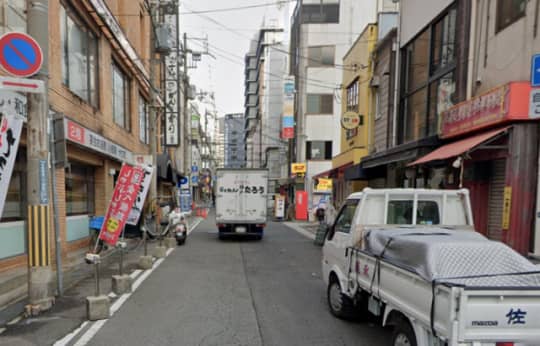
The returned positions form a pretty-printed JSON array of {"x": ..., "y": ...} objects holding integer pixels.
[
  {"x": 10, "y": 134},
  {"x": 136, "y": 211}
]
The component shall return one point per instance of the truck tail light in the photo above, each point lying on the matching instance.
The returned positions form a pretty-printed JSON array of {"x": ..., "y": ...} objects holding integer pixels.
[
  {"x": 220, "y": 225},
  {"x": 260, "y": 225},
  {"x": 504, "y": 344}
]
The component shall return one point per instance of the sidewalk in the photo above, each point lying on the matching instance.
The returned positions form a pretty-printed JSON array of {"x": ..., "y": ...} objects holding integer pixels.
[
  {"x": 69, "y": 311},
  {"x": 309, "y": 229}
]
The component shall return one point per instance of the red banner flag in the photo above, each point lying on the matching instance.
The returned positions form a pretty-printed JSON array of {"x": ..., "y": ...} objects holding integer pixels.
[{"x": 124, "y": 196}]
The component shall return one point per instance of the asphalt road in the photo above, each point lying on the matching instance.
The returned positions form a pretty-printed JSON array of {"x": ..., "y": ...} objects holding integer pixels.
[{"x": 236, "y": 292}]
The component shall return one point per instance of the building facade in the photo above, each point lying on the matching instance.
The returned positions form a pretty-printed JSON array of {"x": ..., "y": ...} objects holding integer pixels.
[
  {"x": 99, "y": 97},
  {"x": 235, "y": 154},
  {"x": 321, "y": 34}
]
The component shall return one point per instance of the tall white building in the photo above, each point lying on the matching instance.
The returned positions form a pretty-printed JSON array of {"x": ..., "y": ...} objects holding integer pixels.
[{"x": 321, "y": 34}]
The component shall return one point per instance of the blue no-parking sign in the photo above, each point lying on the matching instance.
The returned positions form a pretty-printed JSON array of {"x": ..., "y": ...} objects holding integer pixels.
[
  {"x": 20, "y": 54},
  {"x": 535, "y": 71}
]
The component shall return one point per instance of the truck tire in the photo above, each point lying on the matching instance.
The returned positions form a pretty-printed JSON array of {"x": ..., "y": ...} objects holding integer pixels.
[
  {"x": 403, "y": 334},
  {"x": 340, "y": 305}
]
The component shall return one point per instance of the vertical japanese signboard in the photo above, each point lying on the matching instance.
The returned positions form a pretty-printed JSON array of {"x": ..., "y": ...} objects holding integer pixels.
[
  {"x": 10, "y": 133},
  {"x": 279, "y": 207},
  {"x": 136, "y": 211},
  {"x": 287, "y": 118},
  {"x": 172, "y": 78},
  {"x": 124, "y": 197}
]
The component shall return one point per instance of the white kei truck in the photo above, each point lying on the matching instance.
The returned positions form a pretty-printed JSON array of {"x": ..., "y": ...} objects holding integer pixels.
[
  {"x": 411, "y": 258},
  {"x": 241, "y": 201}
]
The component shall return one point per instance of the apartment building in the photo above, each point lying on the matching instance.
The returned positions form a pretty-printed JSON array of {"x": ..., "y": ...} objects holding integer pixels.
[{"x": 235, "y": 152}]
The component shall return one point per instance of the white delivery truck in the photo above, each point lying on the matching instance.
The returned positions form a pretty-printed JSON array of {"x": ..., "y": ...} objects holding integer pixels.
[
  {"x": 412, "y": 258},
  {"x": 241, "y": 198}
]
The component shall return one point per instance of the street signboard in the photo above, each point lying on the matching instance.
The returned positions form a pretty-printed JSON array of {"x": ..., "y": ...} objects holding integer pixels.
[
  {"x": 10, "y": 133},
  {"x": 124, "y": 196},
  {"x": 25, "y": 85},
  {"x": 20, "y": 54},
  {"x": 534, "y": 104},
  {"x": 535, "y": 71},
  {"x": 13, "y": 103},
  {"x": 138, "y": 207}
]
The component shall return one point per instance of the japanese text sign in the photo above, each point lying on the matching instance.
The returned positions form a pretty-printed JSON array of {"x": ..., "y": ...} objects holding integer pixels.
[
  {"x": 136, "y": 211},
  {"x": 10, "y": 133},
  {"x": 124, "y": 197},
  {"x": 298, "y": 168}
]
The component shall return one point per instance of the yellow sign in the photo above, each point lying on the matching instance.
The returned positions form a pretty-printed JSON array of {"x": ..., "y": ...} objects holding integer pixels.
[
  {"x": 507, "y": 204},
  {"x": 298, "y": 168},
  {"x": 324, "y": 185},
  {"x": 350, "y": 120},
  {"x": 112, "y": 225}
]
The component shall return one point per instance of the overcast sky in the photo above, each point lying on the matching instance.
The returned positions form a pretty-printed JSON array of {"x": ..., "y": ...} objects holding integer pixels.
[{"x": 225, "y": 74}]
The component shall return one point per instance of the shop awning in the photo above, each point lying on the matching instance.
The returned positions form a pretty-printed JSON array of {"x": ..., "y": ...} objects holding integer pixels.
[
  {"x": 332, "y": 173},
  {"x": 460, "y": 147}
]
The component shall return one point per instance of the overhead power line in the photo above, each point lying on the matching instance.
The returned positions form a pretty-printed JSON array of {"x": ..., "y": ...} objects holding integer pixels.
[
  {"x": 240, "y": 61},
  {"x": 239, "y": 8},
  {"x": 337, "y": 66}
]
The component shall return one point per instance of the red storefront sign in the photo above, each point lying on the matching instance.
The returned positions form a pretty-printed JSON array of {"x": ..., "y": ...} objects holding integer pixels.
[
  {"x": 287, "y": 133},
  {"x": 501, "y": 105},
  {"x": 124, "y": 196},
  {"x": 301, "y": 205},
  {"x": 75, "y": 132}
]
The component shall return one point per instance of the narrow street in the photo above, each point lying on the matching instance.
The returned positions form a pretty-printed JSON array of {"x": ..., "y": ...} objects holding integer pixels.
[{"x": 235, "y": 292}]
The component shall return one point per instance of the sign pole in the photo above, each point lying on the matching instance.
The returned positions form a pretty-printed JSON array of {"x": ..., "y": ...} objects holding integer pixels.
[{"x": 37, "y": 151}]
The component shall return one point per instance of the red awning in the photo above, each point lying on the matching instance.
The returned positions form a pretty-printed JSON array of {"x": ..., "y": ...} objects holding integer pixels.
[
  {"x": 457, "y": 148},
  {"x": 332, "y": 172}
]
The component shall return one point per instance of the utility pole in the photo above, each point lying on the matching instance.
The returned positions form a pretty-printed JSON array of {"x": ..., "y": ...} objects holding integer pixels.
[
  {"x": 185, "y": 79},
  {"x": 37, "y": 153}
]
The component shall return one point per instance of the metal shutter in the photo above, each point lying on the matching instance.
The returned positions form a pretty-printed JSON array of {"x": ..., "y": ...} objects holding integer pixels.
[{"x": 496, "y": 197}]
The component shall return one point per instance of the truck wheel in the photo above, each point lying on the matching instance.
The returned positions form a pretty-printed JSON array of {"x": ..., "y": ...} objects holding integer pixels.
[
  {"x": 403, "y": 334},
  {"x": 340, "y": 305}
]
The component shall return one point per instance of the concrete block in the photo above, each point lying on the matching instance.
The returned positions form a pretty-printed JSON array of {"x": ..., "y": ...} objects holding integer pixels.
[
  {"x": 160, "y": 252},
  {"x": 121, "y": 284},
  {"x": 170, "y": 243},
  {"x": 145, "y": 262},
  {"x": 97, "y": 308}
]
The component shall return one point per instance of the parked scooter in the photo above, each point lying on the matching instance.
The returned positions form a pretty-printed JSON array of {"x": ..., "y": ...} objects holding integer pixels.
[{"x": 178, "y": 226}]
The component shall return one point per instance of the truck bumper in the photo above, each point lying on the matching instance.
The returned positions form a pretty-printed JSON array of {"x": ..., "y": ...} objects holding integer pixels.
[{"x": 241, "y": 229}]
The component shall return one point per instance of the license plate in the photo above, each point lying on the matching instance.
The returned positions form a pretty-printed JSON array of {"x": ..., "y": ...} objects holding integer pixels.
[{"x": 241, "y": 230}]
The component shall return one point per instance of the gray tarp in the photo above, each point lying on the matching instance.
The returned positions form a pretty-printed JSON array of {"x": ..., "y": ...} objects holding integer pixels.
[{"x": 442, "y": 254}]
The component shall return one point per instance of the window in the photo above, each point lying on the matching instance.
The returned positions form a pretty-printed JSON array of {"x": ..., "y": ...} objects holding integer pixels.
[
  {"x": 345, "y": 217},
  {"x": 79, "y": 58},
  {"x": 400, "y": 213},
  {"x": 320, "y": 13},
  {"x": 428, "y": 78},
  {"x": 444, "y": 42},
  {"x": 352, "y": 97},
  {"x": 12, "y": 16},
  {"x": 120, "y": 97},
  {"x": 79, "y": 190},
  {"x": 321, "y": 56},
  {"x": 15, "y": 204},
  {"x": 320, "y": 104},
  {"x": 509, "y": 11},
  {"x": 144, "y": 124},
  {"x": 319, "y": 150}
]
